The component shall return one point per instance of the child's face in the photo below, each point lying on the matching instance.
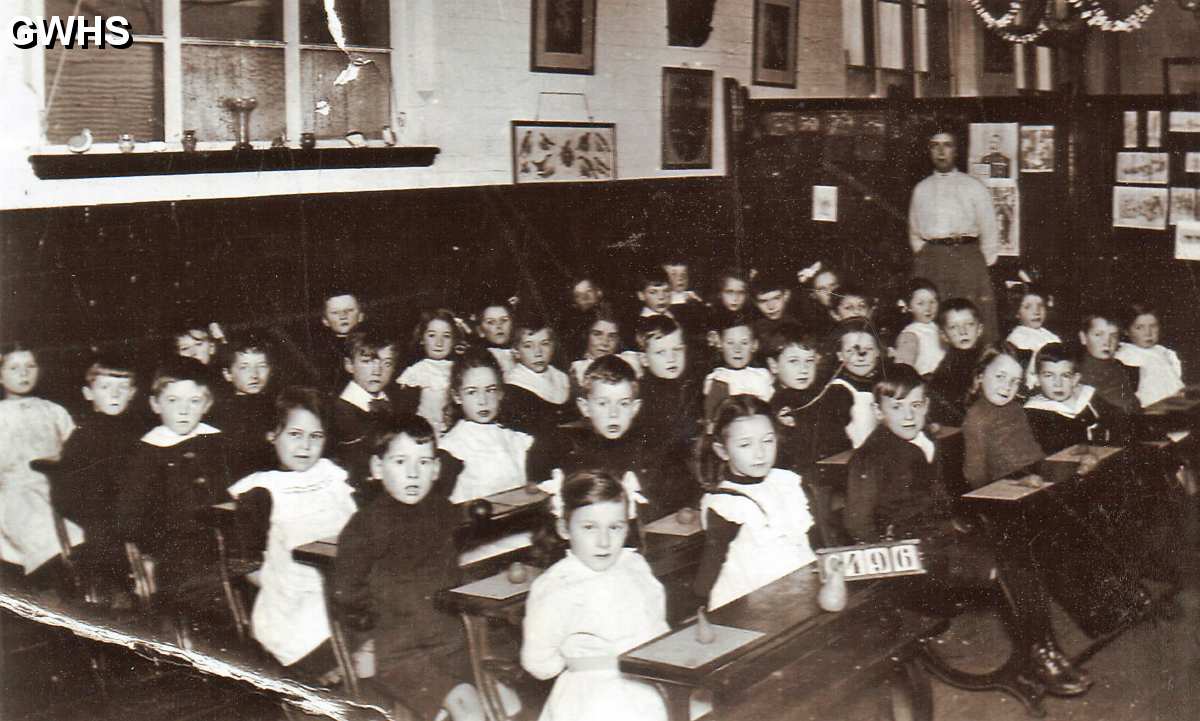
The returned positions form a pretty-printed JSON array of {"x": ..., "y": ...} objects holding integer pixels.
[
  {"x": 795, "y": 367},
  {"x": 923, "y": 306},
  {"x": 772, "y": 303},
  {"x": 479, "y": 394},
  {"x": 666, "y": 357},
  {"x": 904, "y": 416},
  {"x": 1001, "y": 379},
  {"x": 597, "y": 533},
  {"x": 611, "y": 407},
  {"x": 961, "y": 329},
  {"x": 248, "y": 372},
  {"x": 495, "y": 325},
  {"x": 110, "y": 395},
  {"x": 438, "y": 340},
  {"x": 1058, "y": 381},
  {"x": 586, "y": 295},
  {"x": 1100, "y": 339},
  {"x": 677, "y": 273},
  {"x": 748, "y": 445},
  {"x": 372, "y": 370},
  {"x": 733, "y": 294},
  {"x": 181, "y": 405},
  {"x": 851, "y": 306},
  {"x": 738, "y": 346},
  {"x": 1143, "y": 331},
  {"x": 19, "y": 373},
  {"x": 824, "y": 286},
  {"x": 859, "y": 353},
  {"x": 656, "y": 297},
  {"x": 535, "y": 350},
  {"x": 1032, "y": 311},
  {"x": 602, "y": 338},
  {"x": 342, "y": 314},
  {"x": 196, "y": 344},
  {"x": 299, "y": 442},
  {"x": 407, "y": 469}
]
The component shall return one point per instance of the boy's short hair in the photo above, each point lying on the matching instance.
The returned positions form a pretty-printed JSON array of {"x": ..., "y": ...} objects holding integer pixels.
[
  {"x": 367, "y": 342},
  {"x": 769, "y": 282},
  {"x": 610, "y": 369},
  {"x": 674, "y": 257},
  {"x": 405, "y": 424},
  {"x": 1100, "y": 313},
  {"x": 112, "y": 366},
  {"x": 852, "y": 325},
  {"x": 305, "y": 398},
  {"x": 529, "y": 323},
  {"x": 654, "y": 327},
  {"x": 1057, "y": 353},
  {"x": 728, "y": 319},
  {"x": 246, "y": 343},
  {"x": 491, "y": 302},
  {"x": 180, "y": 368},
  {"x": 650, "y": 276},
  {"x": 954, "y": 305},
  {"x": 898, "y": 383},
  {"x": 785, "y": 335},
  {"x": 846, "y": 290},
  {"x": 337, "y": 291}
]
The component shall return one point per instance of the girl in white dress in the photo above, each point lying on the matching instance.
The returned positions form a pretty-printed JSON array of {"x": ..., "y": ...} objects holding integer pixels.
[
  {"x": 1160, "y": 374},
  {"x": 587, "y": 609},
  {"x": 437, "y": 335},
  {"x": 1030, "y": 333},
  {"x": 755, "y": 516},
  {"x": 920, "y": 343},
  {"x": 306, "y": 499}
]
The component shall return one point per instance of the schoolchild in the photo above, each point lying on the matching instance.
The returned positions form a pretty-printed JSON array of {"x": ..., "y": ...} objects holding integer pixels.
[
  {"x": 735, "y": 375},
  {"x": 1160, "y": 374},
  {"x": 1030, "y": 333},
  {"x": 243, "y": 409},
  {"x": 1114, "y": 381},
  {"x": 1065, "y": 412},
  {"x": 920, "y": 342},
  {"x": 536, "y": 393},
  {"x": 494, "y": 324},
  {"x": 952, "y": 380}
]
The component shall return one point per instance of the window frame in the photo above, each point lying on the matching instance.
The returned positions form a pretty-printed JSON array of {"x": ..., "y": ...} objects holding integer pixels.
[{"x": 872, "y": 42}]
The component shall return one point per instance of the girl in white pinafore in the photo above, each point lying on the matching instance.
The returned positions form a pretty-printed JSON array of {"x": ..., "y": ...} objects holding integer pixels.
[
  {"x": 437, "y": 335},
  {"x": 919, "y": 345},
  {"x": 590, "y": 607},
  {"x": 309, "y": 500},
  {"x": 755, "y": 517}
]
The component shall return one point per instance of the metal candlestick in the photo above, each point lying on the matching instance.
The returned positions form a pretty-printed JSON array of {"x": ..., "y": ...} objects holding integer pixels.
[{"x": 242, "y": 108}]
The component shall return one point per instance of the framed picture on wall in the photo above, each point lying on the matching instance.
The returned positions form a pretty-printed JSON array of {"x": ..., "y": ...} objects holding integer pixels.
[
  {"x": 687, "y": 118},
  {"x": 556, "y": 152},
  {"x": 775, "y": 42},
  {"x": 563, "y": 36}
]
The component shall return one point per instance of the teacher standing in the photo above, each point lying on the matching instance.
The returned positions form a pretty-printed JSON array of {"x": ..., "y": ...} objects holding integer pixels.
[{"x": 953, "y": 233}]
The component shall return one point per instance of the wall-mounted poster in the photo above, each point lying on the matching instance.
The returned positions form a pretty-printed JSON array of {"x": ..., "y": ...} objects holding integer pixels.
[
  {"x": 547, "y": 152},
  {"x": 993, "y": 145},
  {"x": 563, "y": 36},
  {"x": 825, "y": 203},
  {"x": 1006, "y": 201},
  {"x": 1184, "y": 121},
  {"x": 1153, "y": 128},
  {"x": 1183, "y": 206},
  {"x": 1037, "y": 148},
  {"x": 1191, "y": 163},
  {"x": 1187, "y": 241},
  {"x": 687, "y": 118},
  {"x": 1139, "y": 207},
  {"x": 1130, "y": 125},
  {"x": 1142, "y": 168},
  {"x": 775, "y": 42}
]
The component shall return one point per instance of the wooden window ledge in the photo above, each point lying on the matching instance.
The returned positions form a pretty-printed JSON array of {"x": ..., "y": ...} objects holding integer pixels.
[{"x": 119, "y": 165}]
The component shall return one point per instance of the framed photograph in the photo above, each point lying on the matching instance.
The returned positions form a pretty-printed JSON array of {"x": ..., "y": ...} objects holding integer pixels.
[
  {"x": 1037, "y": 148},
  {"x": 824, "y": 203},
  {"x": 687, "y": 118},
  {"x": 557, "y": 152},
  {"x": 563, "y": 36},
  {"x": 994, "y": 145},
  {"x": 1142, "y": 168},
  {"x": 1139, "y": 207},
  {"x": 775, "y": 42}
]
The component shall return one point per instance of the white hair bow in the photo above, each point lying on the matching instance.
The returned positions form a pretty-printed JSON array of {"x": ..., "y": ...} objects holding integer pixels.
[
  {"x": 808, "y": 273},
  {"x": 629, "y": 481}
]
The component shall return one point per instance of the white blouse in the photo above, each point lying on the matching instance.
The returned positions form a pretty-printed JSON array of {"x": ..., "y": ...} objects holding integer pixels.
[
  {"x": 743, "y": 381},
  {"x": 433, "y": 378},
  {"x": 493, "y": 458},
  {"x": 929, "y": 346},
  {"x": 1160, "y": 372}
]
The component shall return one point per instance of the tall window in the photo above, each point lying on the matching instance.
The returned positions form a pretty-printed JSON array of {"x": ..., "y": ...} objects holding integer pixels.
[
  {"x": 896, "y": 44},
  {"x": 190, "y": 56}
]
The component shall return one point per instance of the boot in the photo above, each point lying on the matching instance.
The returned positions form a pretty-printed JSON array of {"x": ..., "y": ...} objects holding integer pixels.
[{"x": 1051, "y": 667}]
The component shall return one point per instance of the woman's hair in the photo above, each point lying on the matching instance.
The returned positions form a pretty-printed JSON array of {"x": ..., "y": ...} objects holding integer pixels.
[
  {"x": 1134, "y": 310},
  {"x": 990, "y": 354},
  {"x": 710, "y": 467},
  {"x": 429, "y": 316},
  {"x": 579, "y": 489},
  {"x": 301, "y": 398}
]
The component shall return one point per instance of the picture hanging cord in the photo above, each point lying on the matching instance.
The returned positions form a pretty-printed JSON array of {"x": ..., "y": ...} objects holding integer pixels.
[{"x": 587, "y": 108}]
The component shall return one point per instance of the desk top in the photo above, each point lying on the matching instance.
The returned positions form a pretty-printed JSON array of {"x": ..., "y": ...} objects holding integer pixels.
[
  {"x": 843, "y": 458},
  {"x": 1185, "y": 401}
]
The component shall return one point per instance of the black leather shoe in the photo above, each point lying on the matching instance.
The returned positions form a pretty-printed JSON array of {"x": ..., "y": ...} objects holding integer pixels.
[{"x": 1054, "y": 670}]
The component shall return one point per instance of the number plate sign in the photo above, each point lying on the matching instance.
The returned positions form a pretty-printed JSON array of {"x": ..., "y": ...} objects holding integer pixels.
[{"x": 873, "y": 560}]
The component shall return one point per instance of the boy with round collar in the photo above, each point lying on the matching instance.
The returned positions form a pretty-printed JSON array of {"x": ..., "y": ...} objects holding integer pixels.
[{"x": 1065, "y": 411}]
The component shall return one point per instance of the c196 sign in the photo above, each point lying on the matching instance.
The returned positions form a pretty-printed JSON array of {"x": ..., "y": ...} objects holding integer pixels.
[{"x": 73, "y": 31}]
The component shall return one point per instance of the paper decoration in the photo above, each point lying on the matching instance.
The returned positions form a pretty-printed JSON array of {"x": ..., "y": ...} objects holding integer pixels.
[
  {"x": 1139, "y": 207},
  {"x": 1142, "y": 168},
  {"x": 824, "y": 206},
  {"x": 1037, "y": 148},
  {"x": 683, "y": 650},
  {"x": 1183, "y": 206},
  {"x": 1187, "y": 242},
  {"x": 1131, "y": 128},
  {"x": 1153, "y": 128},
  {"x": 1184, "y": 122},
  {"x": 994, "y": 144}
]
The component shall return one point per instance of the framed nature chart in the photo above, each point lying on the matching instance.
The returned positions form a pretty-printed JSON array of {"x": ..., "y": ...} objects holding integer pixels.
[{"x": 549, "y": 152}]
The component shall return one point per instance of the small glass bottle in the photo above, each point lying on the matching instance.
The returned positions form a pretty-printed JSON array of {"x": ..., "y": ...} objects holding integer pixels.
[
  {"x": 189, "y": 141},
  {"x": 125, "y": 142}
]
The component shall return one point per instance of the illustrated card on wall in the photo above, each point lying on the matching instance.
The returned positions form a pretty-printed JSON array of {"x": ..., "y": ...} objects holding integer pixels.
[
  {"x": 1006, "y": 202},
  {"x": 1153, "y": 128},
  {"x": 547, "y": 152},
  {"x": 1187, "y": 241},
  {"x": 1139, "y": 208},
  {"x": 994, "y": 144},
  {"x": 1037, "y": 148},
  {"x": 1184, "y": 121},
  {"x": 825, "y": 203},
  {"x": 1191, "y": 163},
  {"x": 1183, "y": 206},
  {"x": 1142, "y": 168},
  {"x": 1131, "y": 128}
]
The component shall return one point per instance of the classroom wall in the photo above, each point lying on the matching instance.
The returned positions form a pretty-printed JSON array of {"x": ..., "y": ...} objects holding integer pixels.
[{"x": 1170, "y": 32}]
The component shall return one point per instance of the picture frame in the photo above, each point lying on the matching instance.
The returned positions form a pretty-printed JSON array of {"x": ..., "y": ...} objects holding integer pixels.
[
  {"x": 775, "y": 32},
  {"x": 546, "y": 151},
  {"x": 687, "y": 118},
  {"x": 563, "y": 37}
]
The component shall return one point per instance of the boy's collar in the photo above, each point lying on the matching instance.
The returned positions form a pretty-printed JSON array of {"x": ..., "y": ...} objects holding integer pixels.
[
  {"x": 1071, "y": 407},
  {"x": 164, "y": 437},
  {"x": 925, "y": 443},
  {"x": 550, "y": 385},
  {"x": 357, "y": 396}
]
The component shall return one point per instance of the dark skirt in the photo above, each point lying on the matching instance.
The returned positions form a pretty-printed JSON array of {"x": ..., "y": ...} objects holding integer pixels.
[{"x": 959, "y": 271}]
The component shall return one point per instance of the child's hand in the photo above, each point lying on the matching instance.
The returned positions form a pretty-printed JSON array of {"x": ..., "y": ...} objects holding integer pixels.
[{"x": 1087, "y": 463}]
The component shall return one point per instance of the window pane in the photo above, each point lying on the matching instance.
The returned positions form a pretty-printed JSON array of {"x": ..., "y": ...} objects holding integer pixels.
[
  {"x": 361, "y": 104},
  {"x": 364, "y": 22},
  {"x": 920, "y": 40},
  {"x": 853, "y": 32},
  {"x": 233, "y": 19},
  {"x": 891, "y": 36},
  {"x": 212, "y": 74},
  {"x": 108, "y": 91},
  {"x": 145, "y": 18}
]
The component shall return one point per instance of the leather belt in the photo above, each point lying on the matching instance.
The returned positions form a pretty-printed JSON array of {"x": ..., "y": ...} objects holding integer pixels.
[{"x": 953, "y": 240}]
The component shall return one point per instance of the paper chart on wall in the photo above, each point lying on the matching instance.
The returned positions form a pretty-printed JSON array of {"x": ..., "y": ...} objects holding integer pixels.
[
  {"x": 825, "y": 203},
  {"x": 1183, "y": 206},
  {"x": 1037, "y": 148},
  {"x": 1184, "y": 121},
  {"x": 1187, "y": 241},
  {"x": 1143, "y": 168},
  {"x": 1135, "y": 207}
]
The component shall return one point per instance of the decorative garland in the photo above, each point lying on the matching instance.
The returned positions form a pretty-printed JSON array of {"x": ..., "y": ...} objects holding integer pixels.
[
  {"x": 999, "y": 25},
  {"x": 1094, "y": 14}
]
